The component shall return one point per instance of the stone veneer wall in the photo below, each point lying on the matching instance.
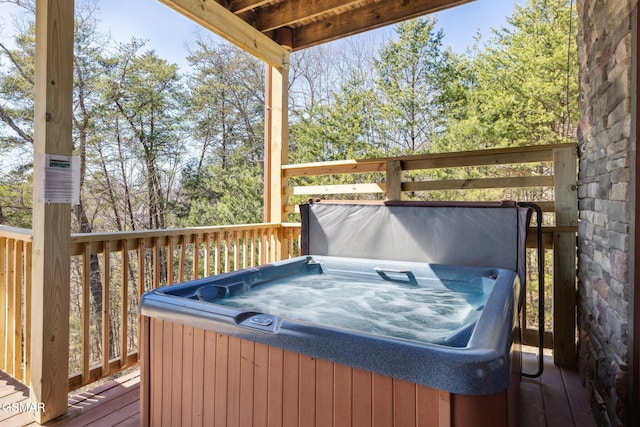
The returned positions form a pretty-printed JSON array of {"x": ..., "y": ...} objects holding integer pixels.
[{"x": 604, "y": 55}]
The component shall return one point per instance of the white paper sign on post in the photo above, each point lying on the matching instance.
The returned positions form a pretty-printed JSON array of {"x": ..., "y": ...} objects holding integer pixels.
[{"x": 61, "y": 183}]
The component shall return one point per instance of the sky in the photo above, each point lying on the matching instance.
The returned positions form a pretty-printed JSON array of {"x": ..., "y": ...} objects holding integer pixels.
[{"x": 168, "y": 32}]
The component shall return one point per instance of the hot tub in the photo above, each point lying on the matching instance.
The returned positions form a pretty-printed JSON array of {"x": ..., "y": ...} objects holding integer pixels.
[{"x": 323, "y": 340}]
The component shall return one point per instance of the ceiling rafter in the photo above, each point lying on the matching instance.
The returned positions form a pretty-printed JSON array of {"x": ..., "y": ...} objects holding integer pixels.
[
  {"x": 366, "y": 18},
  {"x": 270, "y": 29},
  {"x": 293, "y": 12},
  {"x": 241, "y": 6}
]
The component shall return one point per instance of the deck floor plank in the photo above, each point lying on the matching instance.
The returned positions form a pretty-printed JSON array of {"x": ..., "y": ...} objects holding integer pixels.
[
  {"x": 109, "y": 411},
  {"x": 578, "y": 399},
  {"x": 555, "y": 399},
  {"x": 557, "y": 411},
  {"x": 531, "y": 403}
]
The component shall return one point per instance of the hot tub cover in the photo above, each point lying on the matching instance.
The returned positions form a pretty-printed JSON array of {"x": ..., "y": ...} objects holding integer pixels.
[{"x": 458, "y": 233}]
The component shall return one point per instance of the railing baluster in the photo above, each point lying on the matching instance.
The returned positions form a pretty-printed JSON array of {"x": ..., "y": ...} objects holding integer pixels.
[
  {"x": 291, "y": 251},
  {"x": 156, "y": 263},
  {"x": 140, "y": 250},
  {"x": 124, "y": 308},
  {"x": 28, "y": 263},
  {"x": 11, "y": 305},
  {"x": 196, "y": 257},
  {"x": 272, "y": 245},
  {"x": 227, "y": 254},
  {"x": 252, "y": 248},
  {"x": 245, "y": 249},
  {"x": 261, "y": 254},
  {"x": 170, "y": 259},
  {"x": 236, "y": 250},
  {"x": 106, "y": 280},
  {"x": 207, "y": 254},
  {"x": 183, "y": 254},
  {"x": 17, "y": 339},
  {"x": 85, "y": 316},
  {"x": 217, "y": 253}
]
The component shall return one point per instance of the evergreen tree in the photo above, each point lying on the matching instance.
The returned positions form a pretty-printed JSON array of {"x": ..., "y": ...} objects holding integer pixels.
[
  {"x": 410, "y": 72},
  {"x": 524, "y": 83}
]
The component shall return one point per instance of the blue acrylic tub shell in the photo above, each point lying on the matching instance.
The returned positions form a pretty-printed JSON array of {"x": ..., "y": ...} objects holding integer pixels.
[{"x": 480, "y": 367}]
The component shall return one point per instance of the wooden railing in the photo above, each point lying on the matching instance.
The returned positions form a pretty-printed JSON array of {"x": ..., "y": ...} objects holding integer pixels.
[
  {"x": 392, "y": 184},
  {"x": 111, "y": 270},
  {"x": 107, "y": 281},
  {"x": 130, "y": 263},
  {"x": 548, "y": 171},
  {"x": 15, "y": 301}
]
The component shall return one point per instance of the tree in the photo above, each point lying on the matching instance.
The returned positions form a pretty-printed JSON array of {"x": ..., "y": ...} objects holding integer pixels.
[
  {"x": 409, "y": 78},
  {"x": 344, "y": 129},
  {"x": 226, "y": 109},
  {"x": 16, "y": 124},
  {"x": 146, "y": 128},
  {"x": 526, "y": 85}
]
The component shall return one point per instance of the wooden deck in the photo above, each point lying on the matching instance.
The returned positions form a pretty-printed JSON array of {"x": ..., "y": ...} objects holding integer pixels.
[
  {"x": 557, "y": 398},
  {"x": 115, "y": 403}
]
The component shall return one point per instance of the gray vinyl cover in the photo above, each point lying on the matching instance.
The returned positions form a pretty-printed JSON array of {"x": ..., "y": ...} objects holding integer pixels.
[{"x": 491, "y": 234}]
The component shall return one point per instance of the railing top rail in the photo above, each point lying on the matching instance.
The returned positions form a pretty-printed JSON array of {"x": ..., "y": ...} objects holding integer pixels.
[
  {"x": 430, "y": 160},
  {"x": 291, "y": 225},
  {"x": 145, "y": 234},
  {"x": 16, "y": 233}
]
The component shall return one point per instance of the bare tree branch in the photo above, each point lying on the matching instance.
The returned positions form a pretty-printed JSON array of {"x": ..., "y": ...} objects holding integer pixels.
[
  {"x": 6, "y": 117},
  {"x": 15, "y": 63}
]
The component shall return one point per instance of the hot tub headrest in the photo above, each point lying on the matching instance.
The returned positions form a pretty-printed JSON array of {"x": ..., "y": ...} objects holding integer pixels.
[{"x": 465, "y": 233}]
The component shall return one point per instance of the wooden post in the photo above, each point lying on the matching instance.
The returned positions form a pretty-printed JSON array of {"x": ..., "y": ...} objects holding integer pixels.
[
  {"x": 51, "y": 222},
  {"x": 276, "y": 141},
  {"x": 394, "y": 180},
  {"x": 564, "y": 260}
]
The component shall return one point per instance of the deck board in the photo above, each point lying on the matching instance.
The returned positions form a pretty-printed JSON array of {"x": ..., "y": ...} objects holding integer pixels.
[
  {"x": 579, "y": 401},
  {"x": 556, "y": 399}
]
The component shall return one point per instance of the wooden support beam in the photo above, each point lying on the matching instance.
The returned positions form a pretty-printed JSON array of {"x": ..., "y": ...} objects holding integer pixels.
[
  {"x": 217, "y": 18},
  {"x": 276, "y": 142},
  {"x": 476, "y": 183},
  {"x": 288, "y": 13},
  {"x": 394, "y": 180},
  {"x": 314, "y": 190},
  {"x": 565, "y": 258},
  {"x": 369, "y": 17},
  {"x": 240, "y": 6},
  {"x": 495, "y": 156},
  {"x": 564, "y": 300},
  {"x": 51, "y": 221}
]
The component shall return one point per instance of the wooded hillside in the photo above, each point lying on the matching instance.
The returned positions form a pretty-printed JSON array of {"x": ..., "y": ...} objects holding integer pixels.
[{"x": 162, "y": 147}]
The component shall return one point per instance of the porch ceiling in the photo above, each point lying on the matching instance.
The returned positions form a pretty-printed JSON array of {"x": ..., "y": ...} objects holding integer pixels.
[{"x": 267, "y": 27}]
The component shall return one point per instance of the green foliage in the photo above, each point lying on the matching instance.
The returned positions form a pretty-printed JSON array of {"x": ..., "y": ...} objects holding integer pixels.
[
  {"x": 15, "y": 197},
  {"x": 16, "y": 91},
  {"x": 160, "y": 148},
  {"x": 220, "y": 196},
  {"x": 410, "y": 75},
  {"x": 226, "y": 103},
  {"x": 522, "y": 88},
  {"x": 345, "y": 129},
  {"x": 223, "y": 184}
]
